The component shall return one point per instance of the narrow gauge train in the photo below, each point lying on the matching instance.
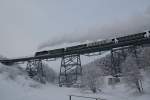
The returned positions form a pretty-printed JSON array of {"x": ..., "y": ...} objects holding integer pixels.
[{"x": 97, "y": 43}]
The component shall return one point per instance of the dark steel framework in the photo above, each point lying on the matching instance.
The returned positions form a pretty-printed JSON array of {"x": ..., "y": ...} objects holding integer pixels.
[
  {"x": 70, "y": 70},
  {"x": 119, "y": 55}
]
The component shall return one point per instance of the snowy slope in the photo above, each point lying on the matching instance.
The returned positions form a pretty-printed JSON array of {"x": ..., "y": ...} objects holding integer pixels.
[
  {"x": 16, "y": 85},
  {"x": 22, "y": 89}
]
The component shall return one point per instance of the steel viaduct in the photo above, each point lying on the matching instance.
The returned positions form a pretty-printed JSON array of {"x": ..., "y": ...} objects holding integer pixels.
[{"x": 71, "y": 68}]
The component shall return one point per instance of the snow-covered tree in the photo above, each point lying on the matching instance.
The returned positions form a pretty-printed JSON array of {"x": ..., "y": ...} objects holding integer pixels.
[
  {"x": 92, "y": 77},
  {"x": 104, "y": 64},
  {"x": 131, "y": 73},
  {"x": 145, "y": 58}
]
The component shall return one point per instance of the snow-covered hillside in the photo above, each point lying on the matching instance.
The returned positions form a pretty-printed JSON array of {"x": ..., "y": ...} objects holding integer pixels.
[{"x": 16, "y": 85}]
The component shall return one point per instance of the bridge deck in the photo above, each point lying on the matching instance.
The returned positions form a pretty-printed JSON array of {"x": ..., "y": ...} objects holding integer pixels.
[{"x": 131, "y": 40}]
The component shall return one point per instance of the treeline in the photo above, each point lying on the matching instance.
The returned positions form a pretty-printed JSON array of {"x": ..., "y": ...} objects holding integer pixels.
[{"x": 132, "y": 69}]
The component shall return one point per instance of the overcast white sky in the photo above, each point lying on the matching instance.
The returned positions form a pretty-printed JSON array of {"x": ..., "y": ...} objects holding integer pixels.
[{"x": 26, "y": 25}]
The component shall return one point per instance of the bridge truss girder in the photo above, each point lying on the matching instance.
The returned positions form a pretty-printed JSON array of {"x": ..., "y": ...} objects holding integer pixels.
[
  {"x": 70, "y": 70},
  {"x": 119, "y": 55}
]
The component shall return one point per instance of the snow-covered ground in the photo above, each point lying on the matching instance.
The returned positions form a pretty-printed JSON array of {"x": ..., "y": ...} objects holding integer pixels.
[{"x": 16, "y": 85}]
